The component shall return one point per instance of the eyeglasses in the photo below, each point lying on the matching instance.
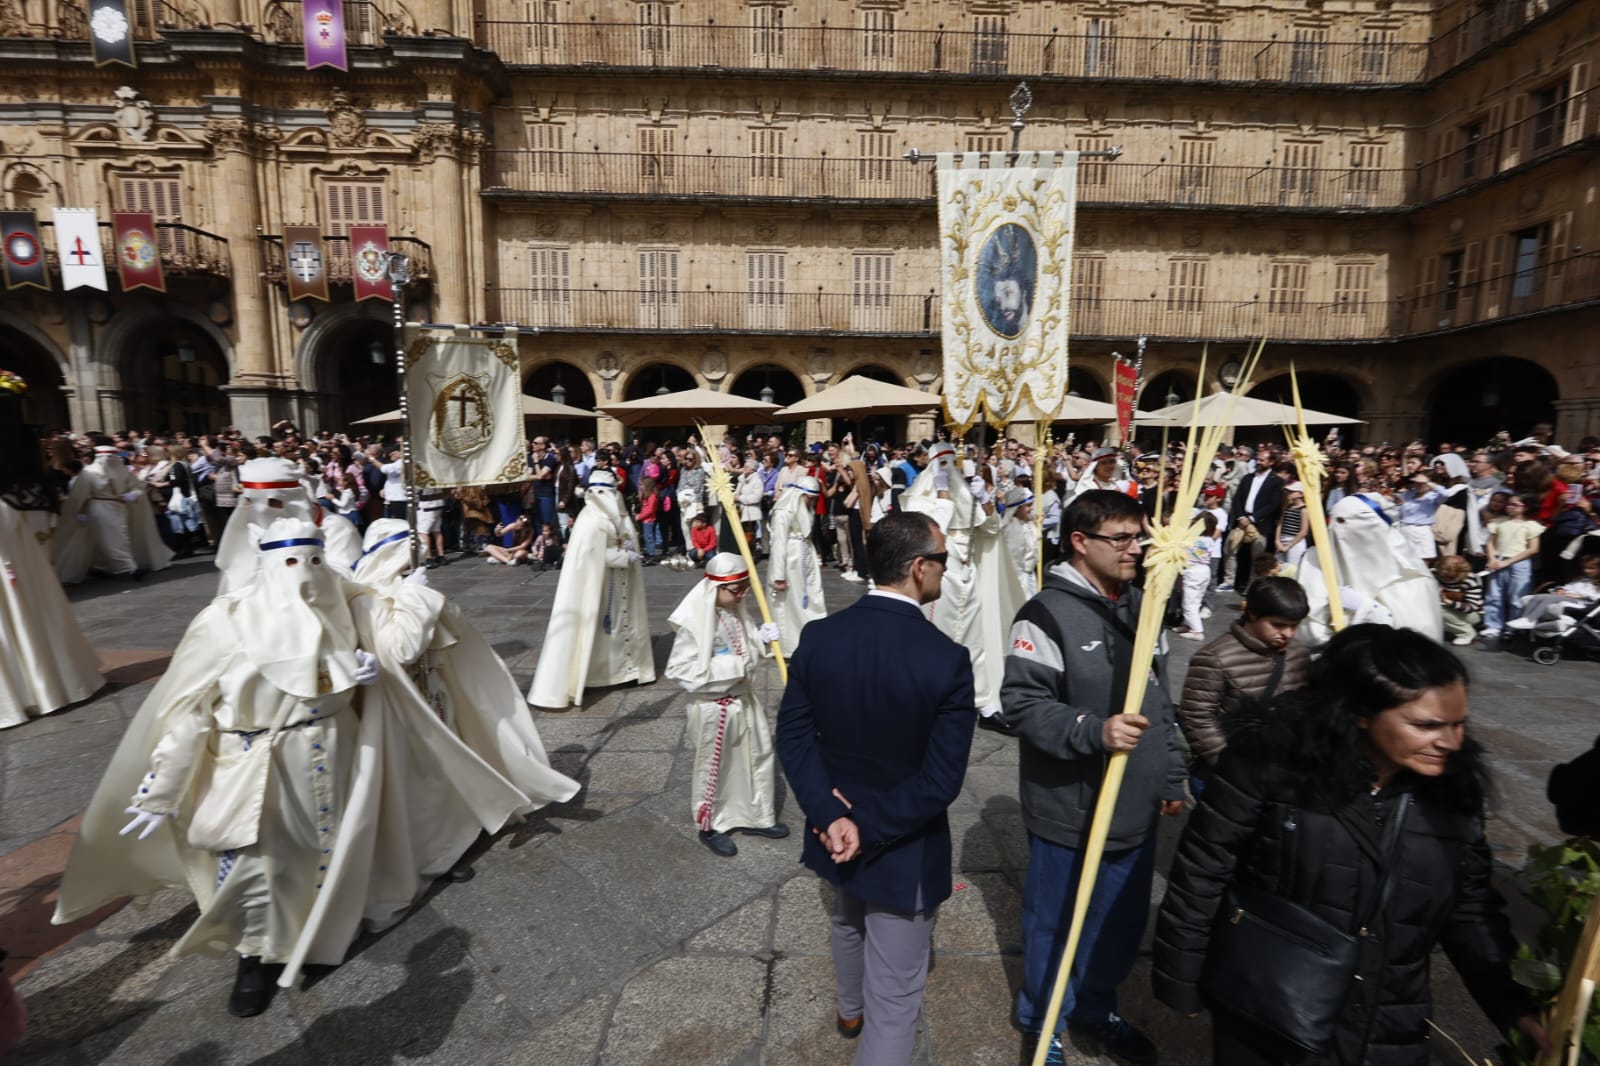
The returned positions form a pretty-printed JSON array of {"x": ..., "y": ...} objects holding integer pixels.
[
  {"x": 736, "y": 590},
  {"x": 1121, "y": 542},
  {"x": 942, "y": 558}
]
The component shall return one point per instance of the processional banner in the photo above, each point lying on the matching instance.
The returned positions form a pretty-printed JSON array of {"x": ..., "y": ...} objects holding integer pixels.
[
  {"x": 138, "y": 249},
  {"x": 323, "y": 26},
  {"x": 465, "y": 418},
  {"x": 24, "y": 252},
  {"x": 1124, "y": 382},
  {"x": 83, "y": 264},
  {"x": 1006, "y": 261},
  {"x": 369, "y": 263}
]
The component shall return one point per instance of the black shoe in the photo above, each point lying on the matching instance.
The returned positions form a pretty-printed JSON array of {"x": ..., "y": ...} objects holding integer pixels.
[
  {"x": 1116, "y": 1038},
  {"x": 460, "y": 873},
  {"x": 775, "y": 831},
  {"x": 252, "y": 989},
  {"x": 849, "y": 1028},
  {"x": 721, "y": 843}
]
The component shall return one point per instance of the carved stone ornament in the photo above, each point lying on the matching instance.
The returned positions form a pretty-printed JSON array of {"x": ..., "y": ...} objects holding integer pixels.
[
  {"x": 433, "y": 139},
  {"x": 136, "y": 116},
  {"x": 546, "y": 227},
  {"x": 229, "y": 134},
  {"x": 714, "y": 365},
  {"x": 821, "y": 367},
  {"x": 766, "y": 231},
  {"x": 347, "y": 126}
]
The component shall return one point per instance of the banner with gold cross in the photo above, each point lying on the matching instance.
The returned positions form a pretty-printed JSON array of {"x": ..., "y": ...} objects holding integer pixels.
[
  {"x": 1005, "y": 231},
  {"x": 465, "y": 417}
]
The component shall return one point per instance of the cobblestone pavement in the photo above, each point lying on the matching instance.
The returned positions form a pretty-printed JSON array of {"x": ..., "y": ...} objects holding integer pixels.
[{"x": 601, "y": 931}]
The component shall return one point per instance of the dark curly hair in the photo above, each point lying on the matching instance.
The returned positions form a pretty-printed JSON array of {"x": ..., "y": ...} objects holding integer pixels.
[{"x": 1308, "y": 743}]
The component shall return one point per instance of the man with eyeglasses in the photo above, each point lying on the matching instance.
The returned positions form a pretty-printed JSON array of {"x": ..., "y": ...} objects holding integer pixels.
[{"x": 1066, "y": 678}]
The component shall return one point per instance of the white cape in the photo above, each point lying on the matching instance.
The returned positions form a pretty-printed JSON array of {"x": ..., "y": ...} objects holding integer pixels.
[
  {"x": 1375, "y": 559},
  {"x": 791, "y": 558}
]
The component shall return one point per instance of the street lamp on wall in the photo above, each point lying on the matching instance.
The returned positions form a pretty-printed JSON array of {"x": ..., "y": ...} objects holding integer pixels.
[
  {"x": 186, "y": 353},
  {"x": 376, "y": 350}
]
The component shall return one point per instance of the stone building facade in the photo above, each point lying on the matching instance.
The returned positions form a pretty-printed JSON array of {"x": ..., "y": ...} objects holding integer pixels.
[{"x": 1394, "y": 192}]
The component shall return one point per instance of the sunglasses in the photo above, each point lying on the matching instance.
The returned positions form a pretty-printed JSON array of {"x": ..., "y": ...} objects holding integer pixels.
[{"x": 942, "y": 558}]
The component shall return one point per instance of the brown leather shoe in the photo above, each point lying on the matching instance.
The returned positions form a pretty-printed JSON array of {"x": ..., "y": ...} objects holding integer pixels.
[{"x": 849, "y": 1028}]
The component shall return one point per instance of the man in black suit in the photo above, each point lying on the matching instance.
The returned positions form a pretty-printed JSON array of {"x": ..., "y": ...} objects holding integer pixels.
[
  {"x": 873, "y": 734},
  {"x": 1259, "y": 498}
]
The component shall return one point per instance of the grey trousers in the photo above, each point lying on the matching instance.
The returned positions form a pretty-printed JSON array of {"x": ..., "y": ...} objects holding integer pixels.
[{"x": 880, "y": 965}]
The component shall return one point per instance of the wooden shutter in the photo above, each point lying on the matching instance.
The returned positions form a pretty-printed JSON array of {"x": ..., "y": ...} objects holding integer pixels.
[
  {"x": 1186, "y": 285},
  {"x": 353, "y": 203},
  {"x": 1445, "y": 166},
  {"x": 1494, "y": 283},
  {"x": 1517, "y": 135},
  {"x": 1088, "y": 282},
  {"x": 1560, "y": 235},
  {"x": 1577, "y": 103},
  {"x": 871, "y": 284},
  {"x": 163, "y": 198},
  {"x": 1471, "y": 267},
  {"x": 877, "y": 34},
  {"x": 766, "y": 276},
  {"x": 549, "y": 276},
  {"x": 657, "y": 153}
]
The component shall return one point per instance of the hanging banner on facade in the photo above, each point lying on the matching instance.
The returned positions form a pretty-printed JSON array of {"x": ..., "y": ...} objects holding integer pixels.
[
  {"x": 111, "y": 33},
  {"x": 24, "y": 254},
  {"x": 1006, "y": 261},
  {"x": 138, "y": 251},
  {"x": 1124, "y": 382},
  {"x": 83, "y": 264},
  {"x": 369, "y": 263},
  {"x": 306, "y": 263},
  {"x": 324, "y": 33},
  {"x": 465, "y": 398}
]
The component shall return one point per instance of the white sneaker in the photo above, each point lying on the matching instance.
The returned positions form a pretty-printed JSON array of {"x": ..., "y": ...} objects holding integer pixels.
[
  {"x": 491, "y": 560},
  {"x": 1461, "y": 642},
  {"x": 1205, "y": 612},
  {"x": 1490, "y": 634},
  {"x": 1521, "y": 623},
  {"x": 1190, "y": 634},
  {"x": 852, "y": 577}
]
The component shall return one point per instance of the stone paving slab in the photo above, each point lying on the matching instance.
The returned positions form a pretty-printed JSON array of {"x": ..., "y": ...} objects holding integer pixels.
[{"x": 600, "y": 931}]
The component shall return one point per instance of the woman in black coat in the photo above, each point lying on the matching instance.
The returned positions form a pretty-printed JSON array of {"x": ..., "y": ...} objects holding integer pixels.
[{"x": 1298, "y": 806}]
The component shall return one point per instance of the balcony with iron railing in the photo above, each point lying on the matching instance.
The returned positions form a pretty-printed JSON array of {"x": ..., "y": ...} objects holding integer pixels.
[
  {"x": 185, "y": 250},
  {"x": 1536, "y": 287},
  {"x": 519, "y": 173},
  {"x": 1486, "y": 26},
  {"x": 365, "y": 22},
  {"x": 1371, "y": 61},
  {"x": 147, "y": 21},
  {"x": 1487, "y": 153},
  {"x": 337, "y": 258}
]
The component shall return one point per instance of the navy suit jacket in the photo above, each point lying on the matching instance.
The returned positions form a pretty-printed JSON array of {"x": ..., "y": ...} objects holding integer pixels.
[{"x": 879, "y": 705}]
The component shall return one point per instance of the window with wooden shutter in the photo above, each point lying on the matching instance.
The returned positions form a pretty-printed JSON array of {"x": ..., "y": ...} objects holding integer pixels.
[
  {"x": 1297, "y": 178},
  {"x": 550, "y": 281},
  {"x": 547, "y": 156},
  {"x": 1451, "y": 264},
  {"x": 1578, "y": 103},
  {"x": 766, "y": 154},
  {"x": 1352, "y": 288},
  {"x": 765, "y": 278},
  {"x": 1100, "y": 47},
  {"x": 877, "y": 33},
  {"x": 985, "y": 142},
  {"x": 1375, "y": 55},
  {"x": 1494, "y": 282},
  {"x": 544, "y": 30},
  {"x": 1530, "y": 252},
  {"x": 1548, "y": 123},
  {"x": 1186, "y": 285},
  {"x": 658, "y": 147},
  {"x": 876, "y": 161},
  {"x": 1286, "y": 289},
  {"x": 1469, "y": 152},
  {"x": 1516, "y": 132},
  {"x": 1088, "y": 282},
  {"x": 1094, "y": 171},
  {"x": 766, "y": 32},
  {"x": 1308, "y": 54},
  {"x": 1195, "y": 157},
  {"x": 163, "y": 198},
  {"x": 871, "y": 286},
  {"x": 1471, "y": 269},
  {"x": 660, "y": 298},
  {"x": 353, "y": 203},
  {"x": 1365, "y": 179},
  {"x": 655, "y": 29},
  {"x": 1205, "y": 50},
  {"x": 989, "y": 44},
  {"x": 1560, "y": 229}
]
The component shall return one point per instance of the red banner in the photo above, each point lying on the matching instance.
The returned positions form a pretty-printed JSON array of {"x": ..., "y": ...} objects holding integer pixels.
[
  {"x": 369, "y": 263},
  {"x": 1125, "y": 378},
  {"x": 306, "y": 263},
  {"x": 138, "y": 251}
]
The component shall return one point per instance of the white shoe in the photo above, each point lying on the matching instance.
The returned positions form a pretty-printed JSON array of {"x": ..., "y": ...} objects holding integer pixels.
[
  {"x": 1521, "y": 623},
  {"x": 1190, "y": 634},
  {"x": 852, "y": 577},
  {"x": 491, "y": 560},
  {"x": 1461, "y": 642},
  {"x": 1205, "y": 612},
  {"x": 1490, "y": 634}
]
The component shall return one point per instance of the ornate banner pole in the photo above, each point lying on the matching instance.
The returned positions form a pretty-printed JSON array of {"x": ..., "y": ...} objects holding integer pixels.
[
  {"x": 1043, "y": 441},
  {"x": 1164, "y": 561},
  {"x": 722, "y": 484}
]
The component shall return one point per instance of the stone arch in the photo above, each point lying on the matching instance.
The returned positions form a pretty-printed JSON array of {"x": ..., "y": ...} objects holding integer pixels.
[
  {"x": 170, "y": 366},
  {"x": 539, "y": 379},
  {"x": 1160, "y": 388},
  {"x": 1088, "y": 385},
  {"x": 877, "y": 372},
  {"x": 31, "y": 354},
  {"x": 27, "y": 185},
  {"x": 655, "y": 373},
  {"x": 1334, "y": 394},
  {"x": 328, "y": 364},
  {"x": 1472, "y": 401},
  {"x": 128, "y": 327},
  {"x": 787, "y": 386}
]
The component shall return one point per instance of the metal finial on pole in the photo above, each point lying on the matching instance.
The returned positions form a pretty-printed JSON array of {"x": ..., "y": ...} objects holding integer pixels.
[
  {"x": 1021, "y": 103},
  {"x": 398, "y": 269}
]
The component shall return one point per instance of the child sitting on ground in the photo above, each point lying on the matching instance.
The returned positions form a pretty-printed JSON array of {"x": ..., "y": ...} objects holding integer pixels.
[
  {"x": 1461, "y": 599},
  {"x": 1552, "y": 606},
  {"x": 546, "y": 550},
  {"x": 702, "y": 541}
]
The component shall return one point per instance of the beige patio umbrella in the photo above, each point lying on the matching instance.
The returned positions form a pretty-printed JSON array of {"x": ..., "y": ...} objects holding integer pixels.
[
  {"x": 1078, "y": 409},
  {"x": 858, "y": 397},
  {"x": 697, "y": 406},
  {"x": 1221, "y": 409},
  {"x": 532, "y": 407}
]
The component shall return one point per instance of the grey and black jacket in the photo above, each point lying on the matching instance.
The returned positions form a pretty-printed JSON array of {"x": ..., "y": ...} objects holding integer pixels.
[{"x": 1066, "y": 671}]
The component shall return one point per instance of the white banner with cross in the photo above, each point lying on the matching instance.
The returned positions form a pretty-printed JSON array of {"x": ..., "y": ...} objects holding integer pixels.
[
  {"x": 83, "y": 264},
  {"x": 465, "y": 417}
]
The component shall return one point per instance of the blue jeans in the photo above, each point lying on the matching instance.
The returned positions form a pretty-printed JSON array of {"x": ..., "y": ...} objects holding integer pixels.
[
  {"x": 1502, "y": 591},
  {"x": 652, "y": 539},
  {"x": 1112, "y": 929},
  {"x": 545, "y": 508}
]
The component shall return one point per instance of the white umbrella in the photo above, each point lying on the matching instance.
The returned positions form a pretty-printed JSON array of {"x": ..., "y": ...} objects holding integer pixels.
[
  {"x": 1078, "y": 409},
  {"x": 1223, "y": 409},
  {"x": 698, "y": 406},
  {"x": 532, "y": 407},
  {"x": 860, "y": 397}
]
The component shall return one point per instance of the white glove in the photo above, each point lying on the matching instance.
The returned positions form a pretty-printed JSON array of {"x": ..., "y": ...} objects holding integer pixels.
[
  {"x": 634, "y": 557},
  {"x": 82, "y": 518},
  {"x": 769, "y": 633},
  {"x": 418, "y": 576},
  {"x": 989, "y": 710},
  {"x": 145, "y": 820},
  {"x": 941, "y": 479},
  {"x": 980, "y": 489},
  {"x": 129, "y": 497},
  {"x": 366, "y": 668}
]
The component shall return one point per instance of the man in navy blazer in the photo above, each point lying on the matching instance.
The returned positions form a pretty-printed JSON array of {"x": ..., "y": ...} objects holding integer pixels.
[{"x": 873, "y": 733}]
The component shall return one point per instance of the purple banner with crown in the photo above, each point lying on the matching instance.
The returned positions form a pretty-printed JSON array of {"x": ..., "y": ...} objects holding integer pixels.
[{"x": 324, "y": 29}]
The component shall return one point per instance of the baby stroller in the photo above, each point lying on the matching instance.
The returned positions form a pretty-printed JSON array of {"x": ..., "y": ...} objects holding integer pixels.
[{"x": 1573, "y": 635}]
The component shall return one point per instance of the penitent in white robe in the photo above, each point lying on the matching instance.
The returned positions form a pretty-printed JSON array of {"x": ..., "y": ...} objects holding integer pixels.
[
  {"x": 735, "y": 770},
  {"x": 1374, "y": 559},
  {"x": 791, "y": 558},
  {"x": 599, "y": 629},
  {"x": 149, "y": 552},
  {"x": 45, "y": 662},
  {"x": 1022, "y": 544}
]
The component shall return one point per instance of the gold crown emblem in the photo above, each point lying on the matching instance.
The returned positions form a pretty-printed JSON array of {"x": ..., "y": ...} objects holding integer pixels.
[{"x": 325, "y": 17}]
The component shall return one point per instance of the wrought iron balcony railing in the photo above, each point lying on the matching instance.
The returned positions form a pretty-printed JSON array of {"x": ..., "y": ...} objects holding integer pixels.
[
  {"x": 365, "y": 22},
  {"x": 184, "y": 250},
  {"x": 1484, "y": 26},
  {"x": 590, "y": 174},
  {"x": 1372, "y": 60},
  {"x": 1481, "y": 153},
  {"x": 147, "y": 18},
  {"x": 703, "y": 311},
  {"x": 1542, "y": 286},
  {"x": 338, "y": 262}
]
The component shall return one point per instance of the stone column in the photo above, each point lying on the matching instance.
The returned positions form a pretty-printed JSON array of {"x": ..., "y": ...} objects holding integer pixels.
[
  {"x": 237, "y": 216},
  {"x": 83, "y": 393},
  {"x": 439, "y": 146},
  {"x": 1577, "y": 418},
  {"x": 1395, "y": 427}
]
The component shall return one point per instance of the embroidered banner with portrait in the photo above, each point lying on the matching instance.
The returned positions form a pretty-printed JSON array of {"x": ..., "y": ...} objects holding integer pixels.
[
  {"x": 465, "y": 418},
  {"x": 1006, "y": 262}
]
